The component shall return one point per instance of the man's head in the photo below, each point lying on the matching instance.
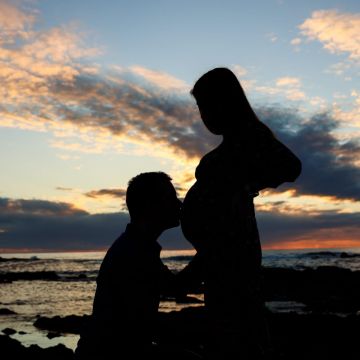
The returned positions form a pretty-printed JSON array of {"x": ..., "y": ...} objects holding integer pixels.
[{"x": 151, "y": 198}]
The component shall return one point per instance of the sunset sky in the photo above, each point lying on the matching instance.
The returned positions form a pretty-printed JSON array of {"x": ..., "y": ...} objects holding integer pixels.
[{"x": 94, "y": 92}]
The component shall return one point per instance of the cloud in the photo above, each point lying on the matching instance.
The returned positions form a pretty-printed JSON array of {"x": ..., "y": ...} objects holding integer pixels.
[
  {"x": 38, "y": 224},
  {"x": 14, "y": 22},
  {"x": 121, "y": 108},
  {"x": 30, "y": 60},
  {"x": 78, "y": 147},
  {"x": 339, "y": 68},
  {"x": 69, "y": 232},
  {"x": 348, "y": 111},
  {"x": 295, "y": 94},
  {"x": 318, "y": 101},
  {"x": 61, "y": 188},
  {"x": 159, "y": 79},
  {"x": 288, "y": 81},
  {"x": 49, "y": 86},
  {"x": 287, "y": 86},
  {"x": 291, "y": 86},
  {"x": 114, "y": 108},
  {"x": 296, "y": 41},
  {"x": 290, "y": 202},
  {"x": 328, "y": 166},
  {"x": 239, "y": 70},
  {"x": 66, "y": 157},
  {"x": 294, "y": 230},
  {"x": 115, "y": 193},
  {"x": 272, "y": 37},
  {"x": 339, "y": 32},
  {"x": 38, "y": 207}
]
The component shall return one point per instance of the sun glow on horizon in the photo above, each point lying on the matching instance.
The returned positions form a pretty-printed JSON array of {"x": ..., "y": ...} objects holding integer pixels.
[{"x": 313, "y": 244}]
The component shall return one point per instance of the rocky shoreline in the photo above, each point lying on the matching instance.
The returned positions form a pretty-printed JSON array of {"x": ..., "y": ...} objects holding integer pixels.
[
  {"x": 327, "y": 330},
  {"x": 326, "y": 288},
  {"x": 294, "y": 336}
]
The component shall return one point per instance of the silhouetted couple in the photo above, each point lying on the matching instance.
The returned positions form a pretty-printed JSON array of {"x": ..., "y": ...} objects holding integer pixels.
[{"x": 217, "y": 217}]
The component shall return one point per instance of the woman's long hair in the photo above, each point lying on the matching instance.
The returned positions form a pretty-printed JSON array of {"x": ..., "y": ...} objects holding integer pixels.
[{"x": 221, "y": 86}]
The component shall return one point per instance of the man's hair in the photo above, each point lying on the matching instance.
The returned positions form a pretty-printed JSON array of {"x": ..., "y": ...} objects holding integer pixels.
[{"x": 143, "y": 190}]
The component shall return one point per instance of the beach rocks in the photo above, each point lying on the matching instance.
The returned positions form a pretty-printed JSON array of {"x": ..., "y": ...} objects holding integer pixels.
[
  {"x": 5, "y": 311},
  {"x": 314, "y": 336},
  {"x": 325, "y": 289},
  {"x": 12, "y": 349},
  {"x": 52, "y": 335},
  {"x": 294, "y": 336},
  {"x": 28, "y": 275},
  {"x": 9, "y": 331},
  {"x": 68, "y": 324},
  {"x": 318, "y": 334}
]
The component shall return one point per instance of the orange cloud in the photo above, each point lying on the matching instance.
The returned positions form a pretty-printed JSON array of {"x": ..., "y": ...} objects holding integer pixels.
[
  {"x": 288, "y": 81},
  {"x": 349, "y": 114},
  {"x": 115, "y": 193},
  {"x": 31, "y": 60},
  {"x": 288, "y": 202},
  {"x": 339, "y": 32},
  {"x": 291, "y": 86},
  {"x": 287, "y": 86},
  {"x": 14, "y": 22},
  {"x": 38, "y": 207},
  {"x": 295, "y": 41},
  {"x": 46, "y": 88},
  {"x": 160, "y": 79}
]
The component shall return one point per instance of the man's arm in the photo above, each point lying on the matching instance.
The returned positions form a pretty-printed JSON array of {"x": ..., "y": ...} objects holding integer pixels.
[
  {"x": 190, "y": 279},
  {"x": 186, "y": 281}
]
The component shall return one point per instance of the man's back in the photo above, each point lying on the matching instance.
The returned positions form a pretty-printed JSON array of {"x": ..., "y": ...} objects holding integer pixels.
[{"x": 127, "y": 297}]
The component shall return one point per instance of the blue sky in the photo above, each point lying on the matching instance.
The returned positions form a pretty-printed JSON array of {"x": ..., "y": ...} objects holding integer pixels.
[{"x": 93, "y": 94}]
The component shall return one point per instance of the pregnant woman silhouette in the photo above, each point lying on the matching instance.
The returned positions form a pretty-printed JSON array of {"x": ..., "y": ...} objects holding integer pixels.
[{"x": 218, "y": 215}]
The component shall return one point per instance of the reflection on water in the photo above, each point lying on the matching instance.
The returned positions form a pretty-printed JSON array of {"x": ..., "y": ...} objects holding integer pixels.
[
  {"x": 65, "y": 297},
  {"x": 73, "y": 293}
]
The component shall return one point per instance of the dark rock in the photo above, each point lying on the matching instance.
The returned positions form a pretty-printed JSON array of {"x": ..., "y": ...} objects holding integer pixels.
[
  {"x": 22, "y": 332},
  {"x": 183, "y": 329},
  {"x": 9, "y": 331},
  {"x": 345, "y": 255},
  {"x": 16, "y": 259},
  {"x": 12, "y": 349},
  {"x": 4, "y": 311},
  {"x": 293, "y": 336},
  {"x": 314, "y": 336},
  {"x": 68, "y": 324},
  {"x": 188, "y": 300},
  {"x": 326, "y": 289},
  {"x": 29, "y": 275},
  {"x": 52, "y": 335},
  {"x": 58, "y": 352}
]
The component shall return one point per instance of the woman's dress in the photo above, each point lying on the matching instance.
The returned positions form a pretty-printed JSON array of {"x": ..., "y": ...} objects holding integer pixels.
[{"x": 218, "y": 218}]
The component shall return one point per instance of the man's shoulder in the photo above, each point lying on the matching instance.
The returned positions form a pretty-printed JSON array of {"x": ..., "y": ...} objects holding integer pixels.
[
  {"x": 121, "y": 244},
  {"x": 113, "y": 261}
]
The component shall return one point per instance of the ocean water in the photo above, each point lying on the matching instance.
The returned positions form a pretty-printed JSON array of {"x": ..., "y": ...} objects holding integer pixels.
[{"x": 72, "y": 293}]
